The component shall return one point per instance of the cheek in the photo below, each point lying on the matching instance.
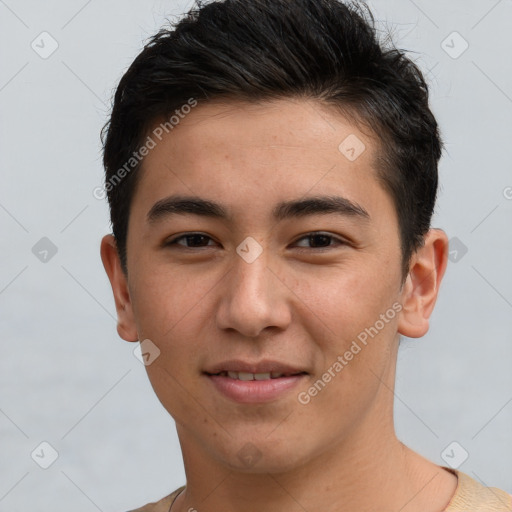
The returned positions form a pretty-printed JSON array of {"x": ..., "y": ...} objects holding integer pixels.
[
  {"x": 355, "y": 336},
  {"x": 169, "y": 312},
  {"x": 344, "y": 302},
  {"x": 356, "y": 343},
  {"x": 176, "y": 311},
  {"x": 167, "y": 303}
]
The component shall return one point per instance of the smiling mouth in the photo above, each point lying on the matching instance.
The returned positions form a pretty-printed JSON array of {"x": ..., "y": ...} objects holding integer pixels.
[{"x": 246, "y": 376}]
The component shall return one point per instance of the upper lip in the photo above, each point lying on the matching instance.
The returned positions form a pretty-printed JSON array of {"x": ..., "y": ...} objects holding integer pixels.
[{"x": 264, "y": 366}]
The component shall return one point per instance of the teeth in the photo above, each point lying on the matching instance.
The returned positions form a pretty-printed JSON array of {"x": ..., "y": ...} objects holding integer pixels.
[
  {"x": 252, "y": 376},
  {"x": 261, "y": 376}
]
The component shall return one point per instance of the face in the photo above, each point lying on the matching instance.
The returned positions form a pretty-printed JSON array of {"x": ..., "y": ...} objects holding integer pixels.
[{"x": 257, "y": 246}]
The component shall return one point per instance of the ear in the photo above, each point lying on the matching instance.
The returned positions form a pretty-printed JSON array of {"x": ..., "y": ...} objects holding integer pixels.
[
  {"x": 126, "y": 326},
  {"x": 420, "y": 290}
]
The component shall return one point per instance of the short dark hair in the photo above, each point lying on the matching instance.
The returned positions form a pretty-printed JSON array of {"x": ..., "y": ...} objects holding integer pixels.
[{"x": 258, "y": 50}]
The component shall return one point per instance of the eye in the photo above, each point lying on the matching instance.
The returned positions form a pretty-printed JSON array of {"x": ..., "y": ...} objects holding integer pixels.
[
  {"x": 316, "y": 240},
  {"x": 321, "y": 240},
  {"x": 192, "y": 240}
]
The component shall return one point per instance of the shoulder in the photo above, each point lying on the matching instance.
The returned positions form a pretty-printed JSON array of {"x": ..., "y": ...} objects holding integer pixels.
[
  {"x": 160, "y": 506},
  {"x": 472, "y": 496}
]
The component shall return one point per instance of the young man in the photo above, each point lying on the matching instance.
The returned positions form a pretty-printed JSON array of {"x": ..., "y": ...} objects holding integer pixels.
[{"x": 271, "y": 171}]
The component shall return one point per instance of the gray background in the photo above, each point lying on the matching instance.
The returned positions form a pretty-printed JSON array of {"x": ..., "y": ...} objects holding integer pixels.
[{"x": 66, "y": 378}]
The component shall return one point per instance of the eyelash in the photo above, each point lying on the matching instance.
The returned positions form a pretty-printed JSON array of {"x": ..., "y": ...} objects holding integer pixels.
[{"x": 307, "y": 236}]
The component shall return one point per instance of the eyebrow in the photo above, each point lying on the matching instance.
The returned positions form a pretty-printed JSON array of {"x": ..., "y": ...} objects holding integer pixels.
[{"x": 317, "y": 205}]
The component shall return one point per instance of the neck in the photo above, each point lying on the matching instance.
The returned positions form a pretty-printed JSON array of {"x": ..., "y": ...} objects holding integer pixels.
[{"x": 367, "y": 471}]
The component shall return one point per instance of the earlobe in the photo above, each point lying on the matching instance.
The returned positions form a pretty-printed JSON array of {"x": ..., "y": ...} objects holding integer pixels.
[
  {"x": 126, "y": 326},
  {"x": 420, "y": 291}
]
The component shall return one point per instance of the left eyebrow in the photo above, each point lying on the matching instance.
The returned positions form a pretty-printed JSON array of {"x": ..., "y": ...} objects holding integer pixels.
[{"x": 317, "y": 205}]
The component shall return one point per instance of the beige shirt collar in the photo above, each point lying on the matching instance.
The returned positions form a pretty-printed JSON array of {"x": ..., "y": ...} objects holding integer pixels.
[{"x": 469, "y": 496}]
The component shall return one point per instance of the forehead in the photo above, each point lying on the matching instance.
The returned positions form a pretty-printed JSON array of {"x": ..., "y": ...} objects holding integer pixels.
[
  {"x": 253, "y": 154},
  {"x": 299, "y": 125}
]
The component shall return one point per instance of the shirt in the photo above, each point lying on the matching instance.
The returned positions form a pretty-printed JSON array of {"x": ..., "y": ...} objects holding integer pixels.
[{"x": 469, "y": 496}]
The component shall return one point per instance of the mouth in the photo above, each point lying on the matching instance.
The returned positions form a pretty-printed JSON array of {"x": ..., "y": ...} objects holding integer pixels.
[{"x": 250, "y": 383}]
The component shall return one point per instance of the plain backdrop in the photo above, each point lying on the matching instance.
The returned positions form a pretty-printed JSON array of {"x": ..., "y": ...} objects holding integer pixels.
[{"x": 66, "y": 377}]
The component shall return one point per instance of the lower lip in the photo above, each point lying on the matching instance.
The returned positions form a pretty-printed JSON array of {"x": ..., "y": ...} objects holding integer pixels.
[{"x": 254, "y": 391}]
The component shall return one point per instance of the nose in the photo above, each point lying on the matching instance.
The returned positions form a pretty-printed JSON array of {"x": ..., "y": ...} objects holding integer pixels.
[{"x": 253, "y": 298}]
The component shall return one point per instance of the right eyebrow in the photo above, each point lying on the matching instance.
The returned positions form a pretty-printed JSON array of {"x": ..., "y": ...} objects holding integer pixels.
[{"x": 181, "y": 205}]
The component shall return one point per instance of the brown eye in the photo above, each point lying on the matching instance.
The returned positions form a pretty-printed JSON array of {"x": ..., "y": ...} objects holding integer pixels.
[
  {"x": 321, "y": 240},
  {"x": 192, "y": 240}
]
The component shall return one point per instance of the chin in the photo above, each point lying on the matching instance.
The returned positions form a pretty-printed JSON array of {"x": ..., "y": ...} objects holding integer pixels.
[{"x": 263, "y": 455}]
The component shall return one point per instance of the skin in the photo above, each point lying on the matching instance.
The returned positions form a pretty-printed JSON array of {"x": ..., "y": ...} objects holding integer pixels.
[{"x": 297, "y": 303}]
